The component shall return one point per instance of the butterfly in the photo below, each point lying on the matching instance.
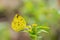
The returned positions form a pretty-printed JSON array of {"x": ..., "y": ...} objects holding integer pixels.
[{"x": 18, "y": 23}]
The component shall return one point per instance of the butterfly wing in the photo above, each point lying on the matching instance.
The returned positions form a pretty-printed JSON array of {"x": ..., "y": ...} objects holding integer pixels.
[{"x": 18, "y": 23}]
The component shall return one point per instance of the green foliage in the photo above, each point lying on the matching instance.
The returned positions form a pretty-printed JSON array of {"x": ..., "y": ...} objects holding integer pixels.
[
  {"x": 39, "y": 12},
  {"x": 4, "y": 31},
  {"x": 36, "y": 31}
]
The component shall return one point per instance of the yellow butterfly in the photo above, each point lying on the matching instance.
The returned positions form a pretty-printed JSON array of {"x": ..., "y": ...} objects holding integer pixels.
[{"x": 18, "y": 23}]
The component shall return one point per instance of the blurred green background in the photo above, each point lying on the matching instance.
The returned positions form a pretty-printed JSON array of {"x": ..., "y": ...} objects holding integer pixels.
[{"x": 41, "y": 12}]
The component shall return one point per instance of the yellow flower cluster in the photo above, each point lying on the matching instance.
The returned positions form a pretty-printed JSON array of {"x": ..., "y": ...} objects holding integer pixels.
[
  {"x": 34, "y": 25},
  {"x": 29, "y": 28},
  {"x": 18, "y": 23}
]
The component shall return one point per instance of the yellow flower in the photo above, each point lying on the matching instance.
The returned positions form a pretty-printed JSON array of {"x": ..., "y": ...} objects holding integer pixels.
[
  {"x": 34, "y": 25},
  {"x": 28, "y": 29},
  {"x": 18, "y": 23}
]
